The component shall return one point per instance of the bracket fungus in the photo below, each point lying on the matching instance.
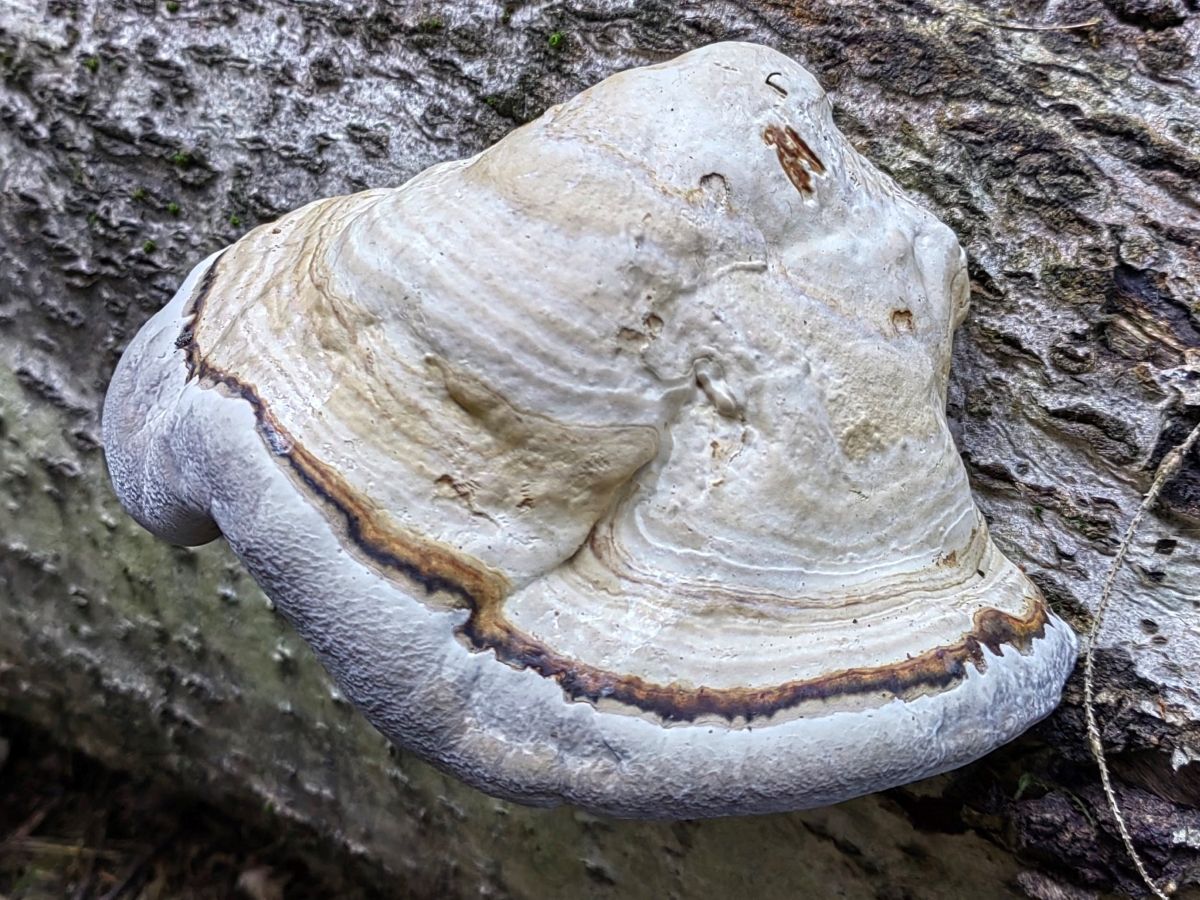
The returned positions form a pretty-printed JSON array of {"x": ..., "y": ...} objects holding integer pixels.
[{"x": 610, "y": 466}]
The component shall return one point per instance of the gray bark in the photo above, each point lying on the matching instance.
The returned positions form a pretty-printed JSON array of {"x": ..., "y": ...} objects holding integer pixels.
[{"x": 137, "y": 137}]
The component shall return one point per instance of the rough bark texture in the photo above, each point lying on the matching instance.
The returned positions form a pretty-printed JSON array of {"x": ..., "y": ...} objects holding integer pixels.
[{"x": 138, "y": 136}]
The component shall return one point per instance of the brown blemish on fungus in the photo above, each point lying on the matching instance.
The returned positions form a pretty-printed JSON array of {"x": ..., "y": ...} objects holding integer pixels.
[
  {"x": 481, "y": 590},
  {"x": 795, "y": 156},
  {"x": 902, "y": 321}
]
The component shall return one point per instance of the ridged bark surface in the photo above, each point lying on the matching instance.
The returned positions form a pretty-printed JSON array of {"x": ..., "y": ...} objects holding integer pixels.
[{"x": 136, "y": 138}]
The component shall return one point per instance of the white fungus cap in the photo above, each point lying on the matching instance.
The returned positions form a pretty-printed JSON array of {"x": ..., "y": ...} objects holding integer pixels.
[{"x": 610, "y": 466}]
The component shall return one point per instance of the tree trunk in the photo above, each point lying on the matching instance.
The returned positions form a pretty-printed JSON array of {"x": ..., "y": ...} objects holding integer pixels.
[{"x": 1061, "y": 142}]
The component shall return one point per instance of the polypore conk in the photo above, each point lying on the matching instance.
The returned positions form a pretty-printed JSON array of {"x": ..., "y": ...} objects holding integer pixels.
[{"x": 610, "y": 466}]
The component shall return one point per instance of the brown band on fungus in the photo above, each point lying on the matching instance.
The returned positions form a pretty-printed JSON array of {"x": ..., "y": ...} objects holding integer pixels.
[
  {"x": 930, "y": 672},
  {"x": 438, "y": 568},
  {"x": 795, "y": 156},
  {"x": 482, "y": 590}
]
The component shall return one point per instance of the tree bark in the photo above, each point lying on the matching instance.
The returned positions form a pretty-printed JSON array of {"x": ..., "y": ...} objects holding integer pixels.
[{"x": 1061, "y": 141}]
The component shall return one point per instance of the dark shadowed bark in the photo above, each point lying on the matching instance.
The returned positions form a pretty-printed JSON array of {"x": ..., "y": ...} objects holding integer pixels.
[{"x": 1059, "y": 140}]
